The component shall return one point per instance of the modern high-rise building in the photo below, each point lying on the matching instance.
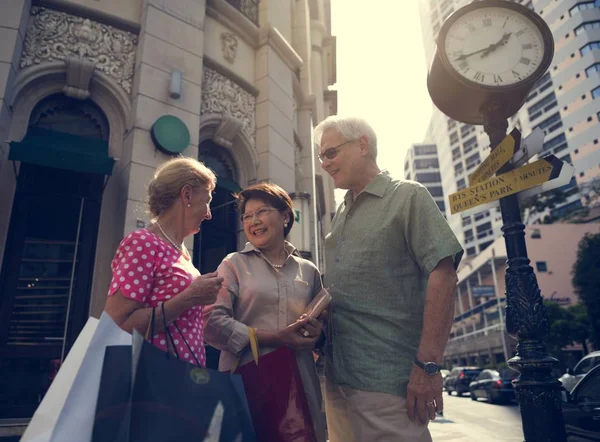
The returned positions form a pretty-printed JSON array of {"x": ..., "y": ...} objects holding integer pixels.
[
  {"x": 563, "y": 104},
  {"x": 421, "y": 164}
]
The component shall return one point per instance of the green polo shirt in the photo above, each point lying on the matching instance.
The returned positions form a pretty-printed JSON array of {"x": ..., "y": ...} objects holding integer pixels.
[{"x": 379, "y": 254}]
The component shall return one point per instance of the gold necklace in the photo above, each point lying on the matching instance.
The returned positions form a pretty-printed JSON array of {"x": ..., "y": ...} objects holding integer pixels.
[{"x": 171, "y": 241}]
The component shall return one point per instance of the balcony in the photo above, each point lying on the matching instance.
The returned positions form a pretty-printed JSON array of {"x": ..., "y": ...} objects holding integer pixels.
[{"x": 247, "y": 7}]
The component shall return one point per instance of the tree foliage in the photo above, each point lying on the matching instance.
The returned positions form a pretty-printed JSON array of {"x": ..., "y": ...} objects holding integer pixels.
[
  {"x": 586, "y": 281},
  {"x": 566, "y": 326}
]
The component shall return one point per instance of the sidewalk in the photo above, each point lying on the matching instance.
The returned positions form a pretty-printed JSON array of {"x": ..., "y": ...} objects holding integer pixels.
[{"x": 446, "y": 430}]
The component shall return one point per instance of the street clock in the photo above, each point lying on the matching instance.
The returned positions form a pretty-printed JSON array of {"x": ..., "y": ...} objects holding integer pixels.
[{"x": 489, "y": 53}]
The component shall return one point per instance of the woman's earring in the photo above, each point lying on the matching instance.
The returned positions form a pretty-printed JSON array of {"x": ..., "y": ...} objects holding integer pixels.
[
  {"x": 285, "y": 224},
  {"x": 189, "y": 205}
]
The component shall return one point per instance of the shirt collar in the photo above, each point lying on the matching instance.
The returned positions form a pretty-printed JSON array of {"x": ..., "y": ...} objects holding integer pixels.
[
  {"x": 288, "y": 246},
  {"x": 376, "y": 186}
]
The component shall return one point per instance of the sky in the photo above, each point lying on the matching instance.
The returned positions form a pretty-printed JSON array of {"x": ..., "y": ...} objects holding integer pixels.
[{"x": 381, "y": 73}]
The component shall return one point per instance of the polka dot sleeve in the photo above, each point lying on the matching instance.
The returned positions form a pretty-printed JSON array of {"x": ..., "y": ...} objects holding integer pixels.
[{"x": 133, "y": 266}]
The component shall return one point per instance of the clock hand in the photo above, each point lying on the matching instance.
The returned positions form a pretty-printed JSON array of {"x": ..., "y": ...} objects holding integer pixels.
[
  {"x": 495, "y": 46},
  {"x": 488, "y": 49}
]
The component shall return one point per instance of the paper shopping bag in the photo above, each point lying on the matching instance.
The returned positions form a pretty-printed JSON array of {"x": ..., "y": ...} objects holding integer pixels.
[{"x": 75, "y": 414}]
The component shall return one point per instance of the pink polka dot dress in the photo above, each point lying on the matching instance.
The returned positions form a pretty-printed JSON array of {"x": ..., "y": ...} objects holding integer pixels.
[{"x": 151, "y": 271}]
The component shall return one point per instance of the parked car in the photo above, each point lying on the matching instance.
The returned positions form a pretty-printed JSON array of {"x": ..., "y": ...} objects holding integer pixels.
[
  {"x": 459, "y": 379},
  {"x": 494, "y": 386},
  {"x": 572, "y": 377},
  {"x": 581, "y": 408}
]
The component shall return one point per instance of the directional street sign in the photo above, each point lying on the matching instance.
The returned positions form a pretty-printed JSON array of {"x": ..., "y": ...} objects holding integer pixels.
[
  {"x": 566, "y": 173},
  {"x": 497, "y": 158},
  {"x": 509, "y": 183},
  {"x": 530, "y": 146}
]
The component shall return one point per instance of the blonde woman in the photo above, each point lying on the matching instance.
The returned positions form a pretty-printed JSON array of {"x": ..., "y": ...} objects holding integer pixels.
[{"x": 152, "y": 266}]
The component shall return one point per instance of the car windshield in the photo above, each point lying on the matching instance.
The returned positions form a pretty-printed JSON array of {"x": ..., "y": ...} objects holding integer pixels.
[{"x": 472, "y": 373}]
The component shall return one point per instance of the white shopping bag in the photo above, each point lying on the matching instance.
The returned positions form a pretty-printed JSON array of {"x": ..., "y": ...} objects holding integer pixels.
[{"x": 67, "y": 412}]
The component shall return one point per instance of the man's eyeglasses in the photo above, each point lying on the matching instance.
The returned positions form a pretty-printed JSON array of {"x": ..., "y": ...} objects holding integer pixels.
[
  {"x": 247, "y": 218},
  {"x": 332, "y": 152}
]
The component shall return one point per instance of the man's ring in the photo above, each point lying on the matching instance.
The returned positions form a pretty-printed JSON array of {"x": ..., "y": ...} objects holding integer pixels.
[
  {"x": 305, "y": 333},
  {"x": 430, "y": 404}
]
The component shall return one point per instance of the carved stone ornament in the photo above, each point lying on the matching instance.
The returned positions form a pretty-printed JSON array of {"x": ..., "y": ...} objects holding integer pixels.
[
  {"x": 54, "y": 35},
  {"x": 229, "y": 44},
  {"x": 79, "y": 75},
  {"x": 228, "y": 129},
  {"x": 221, "y": 95}
]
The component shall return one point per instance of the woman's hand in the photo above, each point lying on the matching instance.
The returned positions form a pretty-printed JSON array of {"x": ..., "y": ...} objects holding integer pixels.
[
  {"x": 292, "y": 338},
  {"x": 204, "y": 289},
  {"x": 314, "y": 327}
]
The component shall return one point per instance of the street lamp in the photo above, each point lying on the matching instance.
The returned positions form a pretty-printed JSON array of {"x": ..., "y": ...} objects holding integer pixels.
[{"x": 489, "y": 55}]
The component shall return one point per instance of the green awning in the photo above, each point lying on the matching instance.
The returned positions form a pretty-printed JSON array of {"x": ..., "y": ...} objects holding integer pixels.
[
  {"x": 63, "y": 151},
  {"x": 227, "y": 184}
]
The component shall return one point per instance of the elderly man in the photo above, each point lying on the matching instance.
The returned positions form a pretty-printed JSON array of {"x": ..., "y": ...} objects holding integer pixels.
[{"x": 391, "y": 268}]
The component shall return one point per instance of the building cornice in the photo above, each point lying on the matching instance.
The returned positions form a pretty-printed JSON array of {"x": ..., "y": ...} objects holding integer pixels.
[
  {"x": 270, "y": 36},
  {"x": 232, "y": 18},
  {"x": 87, "y": 12},
  {"x": 216, "y": 66}
]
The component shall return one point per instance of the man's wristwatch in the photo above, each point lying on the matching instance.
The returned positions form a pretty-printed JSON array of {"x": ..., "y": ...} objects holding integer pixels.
[{"x": 430, "y": 368}]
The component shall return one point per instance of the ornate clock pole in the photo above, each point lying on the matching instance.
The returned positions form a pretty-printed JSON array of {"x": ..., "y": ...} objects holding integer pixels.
[{"x": 489, "y": 55}]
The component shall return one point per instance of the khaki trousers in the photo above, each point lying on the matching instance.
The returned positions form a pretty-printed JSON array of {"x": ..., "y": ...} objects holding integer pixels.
[{"x": 364, "y": 416}]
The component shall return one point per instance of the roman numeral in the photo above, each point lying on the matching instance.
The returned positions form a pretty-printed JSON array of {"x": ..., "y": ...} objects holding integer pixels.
[
  {"x": 525, "y": 61},
  {"x": 471, "y": 27},
  {"x": 505, "y": 22},
  {"x": 463, "y": 66},
  {"x": 487, "y": 22},
  {"x": 521, "y": 32},
  {"x": 516, "y": 74},
  {"x": 527, "y": 46},
  {"x": 479, "y": 76},
  {"x": 498, "y": 79}
]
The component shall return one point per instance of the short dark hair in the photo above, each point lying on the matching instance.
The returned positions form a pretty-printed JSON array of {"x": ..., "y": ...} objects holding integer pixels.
[{"x": 269, "y": 193}]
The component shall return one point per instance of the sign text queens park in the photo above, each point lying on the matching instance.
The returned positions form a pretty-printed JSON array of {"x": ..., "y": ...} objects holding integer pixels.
[{"x": 506, "y": 184}]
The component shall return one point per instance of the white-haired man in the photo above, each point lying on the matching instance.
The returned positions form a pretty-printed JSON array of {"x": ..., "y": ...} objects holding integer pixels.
[{"x": 391, "y": 263}]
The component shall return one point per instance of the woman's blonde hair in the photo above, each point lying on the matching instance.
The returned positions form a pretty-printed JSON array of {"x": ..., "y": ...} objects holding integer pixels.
[{"x": 171, "y": 177}]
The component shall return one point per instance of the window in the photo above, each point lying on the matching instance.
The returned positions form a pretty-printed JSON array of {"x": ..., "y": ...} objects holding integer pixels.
[
  {"x": 466, "y": 130},
  {"x": 484, "y": 227},
  {"x": 584, "y": 366},
  {"x": 469, "y": 145},
  {"x": 428, "y": 177},
  {"x": 589, "y": 390},
  {"x": 481, "y": 215},
  {"x": 461, "y": 184},
  {"x": 596, "y": 92},
  {"x": 427, "y": 163},
  {"x": 435, "y": 190},
  {"x": 593, "y": 68},
  {"x": 583, "y": 5},
  {"x": 453, "y": 138},
  {"x": 455, "y": 153},
  {"x": 469, "y": 234},
  {"x": 458, "y": 169},
  {"x": 545, "y": 104},
  {"x": 536, "y": 234},
  {"x": 541, "y": 266},
  {"x": 441, "y": 206},
  {"x": 555, "y": 142},
  {"x": 430, "y": 149},
  {"x": 466, "y": 221},
  {"x": 451, "y": 124},
  {"x": 485, "y": 245},
  {"x": 473, "y": 160},
  {"x": 552, "y": 123},
  {"x": 471, "y": 251},
  {"x": 587, "y": 25},
  {"x": 592, "y": 46}
]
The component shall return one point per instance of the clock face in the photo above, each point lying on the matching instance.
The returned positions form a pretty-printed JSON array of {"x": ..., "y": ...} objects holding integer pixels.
[{"x": 494, "y": 46}]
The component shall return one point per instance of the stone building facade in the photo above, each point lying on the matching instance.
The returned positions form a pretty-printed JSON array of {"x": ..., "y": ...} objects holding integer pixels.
[{"x": 88, "y": 90}]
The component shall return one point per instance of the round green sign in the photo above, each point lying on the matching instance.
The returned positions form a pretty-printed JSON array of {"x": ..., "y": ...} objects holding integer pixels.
[{"x": 170, "y": 135}]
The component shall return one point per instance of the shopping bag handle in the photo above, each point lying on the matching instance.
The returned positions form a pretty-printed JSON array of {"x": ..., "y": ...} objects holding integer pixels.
[
  {"x": 150, "y": 329},
  {"x": 170, "y": 340},
  {"x": 253, "y": 347}
]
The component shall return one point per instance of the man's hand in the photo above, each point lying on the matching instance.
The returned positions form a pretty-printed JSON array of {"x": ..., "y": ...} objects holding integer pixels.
[{"x": 424, "y": 395}]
